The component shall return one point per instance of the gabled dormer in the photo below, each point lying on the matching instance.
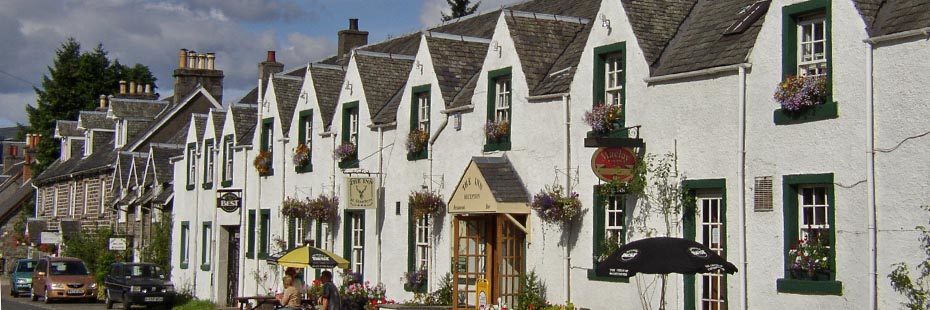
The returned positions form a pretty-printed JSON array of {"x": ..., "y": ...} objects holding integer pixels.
[
  {"x": 314, "y": 112},
  {"x": 98, "y": 131}
]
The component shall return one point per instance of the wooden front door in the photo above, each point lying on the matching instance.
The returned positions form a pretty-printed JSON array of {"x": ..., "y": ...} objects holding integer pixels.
[{"x": 486, "y": 247}]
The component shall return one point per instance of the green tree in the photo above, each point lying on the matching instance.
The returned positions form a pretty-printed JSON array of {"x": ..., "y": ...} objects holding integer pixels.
[
  {"x": 460, "y": 8},
  {"x": 916, "y": 290},
  {"x": 157, "y": 249},
  {"x": 74, "y": 82},
  {"x": 93, "y": 249}
]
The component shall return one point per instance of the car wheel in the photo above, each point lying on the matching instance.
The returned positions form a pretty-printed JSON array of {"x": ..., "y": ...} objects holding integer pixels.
[
  {"x": 109, "y": 301},
  {"x": 126, "y": 303},
  {"x": 32, "y": 294}
]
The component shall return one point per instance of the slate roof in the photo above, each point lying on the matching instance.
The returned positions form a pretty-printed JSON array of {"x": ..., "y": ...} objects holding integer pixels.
[
  {"x": 388, "y": 113},
  {"x": 559, "y": 77},
  {"x": 200, "y": 123},
  {"x": 161, "y": 159},
  {"x": 898, "y": 16},
  {"x": 701, "y": 42},
  {"x": 244, "y": 119},
  {"x": 219, "y": 117},
  {"x": 286, "y": 91},
  {"x": 463, "y": 98},
  {"x": 382, "y": 77},
  {"x": 163, "y": 197},
  {"x": 578, "y": 8},
  {"x": 67, "y": 129},
  {"x": 540, "y": 43},
  {"x": 251, "y": 97},
  {"x": 77, "y": 147},
  {"x": 123, "y": 168},
  {"x": 868, "y": 9},
  {"x": 125, "y": 107},
  {"x": 503, "y": 181},
  {"x": 655, "y": 22},
  {"x": 246, "y": 137},
  {"x": 455, "y": 62},
  {"x": 327, "y": 82},
  {"x": 95, "y": 120},
  {"x": 103, "y": 140}
]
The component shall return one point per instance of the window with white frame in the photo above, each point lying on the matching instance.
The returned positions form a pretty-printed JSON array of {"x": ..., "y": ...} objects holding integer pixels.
[
  {"x": 228, "y": 161},
  {"x": 813, "y": 221},
  {"x": 613, "y": 78},
  {"x": 357, "y": 227},
  {"x": 812, "y": 45},
  {"x": 353, "y": 126},
  {"x": 86, "y": 194},
  {"x": 502, "y": 104},
  {"x": 71, "y": 198},
  {"x": 324, "y": 241},
  {"x": 308, "y": 130},
  {"x": 423, "y": 115},
  {"x": 103, "y": 195},
  {"x": 208, "y": 163},
  {"x": 422, "y": 242},
  {"x": 191, "y": 165},
  {"x": 614, "y": 224},
  {"x": 206, "y": 251},
  {"x": 185, "y": 244}
]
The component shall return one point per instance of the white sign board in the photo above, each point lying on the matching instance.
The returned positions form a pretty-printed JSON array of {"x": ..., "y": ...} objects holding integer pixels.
[
  {"x": 117, "y": 244},
  {"x": 50, "y": 237}
]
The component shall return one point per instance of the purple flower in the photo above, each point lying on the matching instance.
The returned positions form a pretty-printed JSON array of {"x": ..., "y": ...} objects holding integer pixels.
[
  {"x": 345, "y": 151},
  {"x": 798, "y": 92}
]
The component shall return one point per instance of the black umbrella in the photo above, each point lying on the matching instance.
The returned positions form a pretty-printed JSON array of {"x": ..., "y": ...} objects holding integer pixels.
[{"x": 663, "y": 255}]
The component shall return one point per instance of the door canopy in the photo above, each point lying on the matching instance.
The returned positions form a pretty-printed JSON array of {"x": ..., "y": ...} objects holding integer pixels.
[{"x": 489, "y": 185}]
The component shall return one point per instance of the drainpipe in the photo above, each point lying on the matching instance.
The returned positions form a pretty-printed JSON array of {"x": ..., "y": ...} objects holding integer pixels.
[
  {"x": 566, "y": 102},
  {"x": 380, "y": 210},
  {"x": 242, "y": 220},
  {"x": 432, "y": 142},
  {"x": 193, "y": 261},
  {"x": 870, "y": 175},
  {"x": 744, "y": 275}
]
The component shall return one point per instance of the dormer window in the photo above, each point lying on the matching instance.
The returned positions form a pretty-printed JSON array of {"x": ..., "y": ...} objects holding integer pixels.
[
  {"x": 812, "y": 45},
  {"x": 191, "y": 165},
  {"x": 502, "y": 102},
  {"x": 353, "y": 126},
  {"x": 88, "y": 143},
  {"x": 613, "y": 79},
  {"x": 208, "y": 164}
]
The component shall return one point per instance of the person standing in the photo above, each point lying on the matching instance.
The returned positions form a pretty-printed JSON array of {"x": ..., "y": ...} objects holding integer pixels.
[{"x": 330, "y": 299}]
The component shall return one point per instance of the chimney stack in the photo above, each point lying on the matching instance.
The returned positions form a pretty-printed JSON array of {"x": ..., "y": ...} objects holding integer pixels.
[
  {"x": 32, "y": 143},
  {"x": 351, "y": 38},
  {"x": 197, "y": 69},
  {"x": 103, "y": 101},
  {"x": 122, "y": 87},
  {"x": 182, "y": 58},
  {"x": 269, "y": 67},
  {"x": 132, "y": 87}
]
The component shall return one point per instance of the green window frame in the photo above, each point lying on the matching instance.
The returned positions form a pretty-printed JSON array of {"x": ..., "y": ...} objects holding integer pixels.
[
  {"x": 790, "y": 186},
  {"x": 266, "y": 141},
  {"x": 599, "y": 238},
  {"x": 209, "y": 163},
  {"x": 228, "y": 160},
  {"x": 206, "y": 251},
  {"x": 347, "y": 110},
  {"x": 191, "y": 166},
  {"x": 264, "y": 219},
  {"x": 493, "y": 77},
  {"x": 185, "y": 244},
  {"x": 412, "y": 251},
  {"x": 601, "y": 55},
  {"x": 689, "y": 225},
  {"x": 415, "y": 117},
  {"x": 305, "y": 136},
  {"x": 347, "y": 250},
  {"x": 790, "y": 15},
  {"x": 250, "y": 242}
]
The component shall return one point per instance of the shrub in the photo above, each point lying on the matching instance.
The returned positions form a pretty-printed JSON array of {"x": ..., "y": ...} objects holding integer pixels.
[{"x": 532, "y": 292}]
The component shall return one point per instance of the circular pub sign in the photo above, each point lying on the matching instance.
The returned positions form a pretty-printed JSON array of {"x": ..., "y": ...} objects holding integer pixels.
[{"x": 610, "y": 163}]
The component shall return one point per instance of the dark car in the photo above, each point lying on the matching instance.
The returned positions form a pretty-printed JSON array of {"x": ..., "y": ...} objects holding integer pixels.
[
  {"x": 138, "y": 284},
  {"x": 62, "y": 278},
  {"x": 21, "y": 277}
]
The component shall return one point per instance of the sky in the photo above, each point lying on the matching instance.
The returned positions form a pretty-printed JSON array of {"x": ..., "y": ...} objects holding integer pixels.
[{"x": 151, "y": 33}]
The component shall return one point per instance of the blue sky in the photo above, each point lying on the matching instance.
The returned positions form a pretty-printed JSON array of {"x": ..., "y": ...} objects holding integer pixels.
[{"x": 151, "y": 32}]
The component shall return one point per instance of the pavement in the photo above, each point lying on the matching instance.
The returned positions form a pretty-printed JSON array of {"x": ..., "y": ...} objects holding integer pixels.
[{"x": 8, "y": 302}]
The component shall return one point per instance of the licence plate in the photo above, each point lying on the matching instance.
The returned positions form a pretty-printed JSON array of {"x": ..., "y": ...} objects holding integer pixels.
[
  {"x": 154, "y": 299},
  {"x": 75, "y": 292}
]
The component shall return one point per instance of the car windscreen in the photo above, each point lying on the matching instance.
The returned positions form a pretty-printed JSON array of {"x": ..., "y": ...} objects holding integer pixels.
[
  {"x": 145, "y": 271},
  {"x": 69, "y": 268},
  {"x": 25, "y": 266}
]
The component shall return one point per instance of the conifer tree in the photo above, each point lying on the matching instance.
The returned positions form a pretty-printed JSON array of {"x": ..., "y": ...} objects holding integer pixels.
[{"x": 460, "y": 8}]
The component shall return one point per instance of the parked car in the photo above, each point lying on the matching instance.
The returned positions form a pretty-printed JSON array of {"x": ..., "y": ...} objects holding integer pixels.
[
  {"x": 138, "y": 284},
  {"x": 21, "y": 276},
  {"x": 62, "y": 278}
]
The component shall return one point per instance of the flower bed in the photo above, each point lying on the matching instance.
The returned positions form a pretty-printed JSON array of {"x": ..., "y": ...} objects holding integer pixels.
[
  {"x": 496, "y": 131},
  {"x": 416, "y": 140},
  {"x": 796, "y": 92},
  {"x": 810, "y": 259},
  {"x": 604, "y": 118},
  {"x": 554, "y": 206},
  {"x": 262, "y": 162},
  {"x": 424, "y": 203},
  {"x": 301, "y": 155},
  {"x": 345, "y": 151},
  {"x": 358, "y": 295}
]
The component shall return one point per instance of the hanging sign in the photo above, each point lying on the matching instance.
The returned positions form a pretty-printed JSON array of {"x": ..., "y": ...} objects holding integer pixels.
[
  {"x": 117, "y": 244},
  {"x": 229, "y": 200},
  {"x": 482, "y": 294},
  {"x": 613, "y": 163},
  {"x": 362, "y": 193}
]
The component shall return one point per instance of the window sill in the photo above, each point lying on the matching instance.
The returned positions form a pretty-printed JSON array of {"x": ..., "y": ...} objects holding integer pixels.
[
  {"x": 418, "y": 155},
  {"x": 497, "y": 146},
  {"x": 594, "y": 277},
  {"x": 348, "y": 163},
  {"x": 250, "y": 255},
  {"x": 812, "y": 114},
  {"x": 208, "y": 185},
  {"x": 190, "y": 187},
  {"x": 270, "y": 173},
  {"x": 205, "y": 267},
  {"x": 226, "y": 183},
  {"x": 183, "y": 265},
  {"x": 806, "y": 287},
  {"x": 304, "y": 168}
]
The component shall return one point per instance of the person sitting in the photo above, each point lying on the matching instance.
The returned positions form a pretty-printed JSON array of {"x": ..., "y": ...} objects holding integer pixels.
[{"x": 290, "y": 299}]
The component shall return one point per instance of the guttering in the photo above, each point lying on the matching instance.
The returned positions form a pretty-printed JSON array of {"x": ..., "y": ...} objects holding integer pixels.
[
  {"x": 870, "y": 175},
  {"x": 547, "y": 97},
  {"x": 467, "y": 107},
  {"x": 703, "y": 72},
  {"x": 900, "y": 35}
]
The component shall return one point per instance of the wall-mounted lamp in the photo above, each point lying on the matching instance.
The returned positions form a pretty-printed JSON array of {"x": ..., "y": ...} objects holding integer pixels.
[
  {"x": 303, "y": 95},
  {"x": 497, "y": 48},
  {"x": 420, "y": 67},
  {"x": 349, "y": 87},
  {"x": 605, "y": 22}
]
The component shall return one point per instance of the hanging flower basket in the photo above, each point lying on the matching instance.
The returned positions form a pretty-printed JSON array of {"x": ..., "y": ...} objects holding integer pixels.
[
  {"x": 496, "y": 131},
  {"x": 416, "y": 141},
  {"x": 295, "y": 208},
  {"x": 323, "y": 208},
  {"x": 415, "y": 280},
  {"x": 345, "y": 151},
  {"x": 301, "y": 155},
  {"x": 262, "y": 162},
  {"x": 554, "y": 206},
  {"x": 809, "y": 258},
  {"x": 799, "y": 92},
  {"x": 424, "y": 203},
  {"x": 604, "y": 118}
]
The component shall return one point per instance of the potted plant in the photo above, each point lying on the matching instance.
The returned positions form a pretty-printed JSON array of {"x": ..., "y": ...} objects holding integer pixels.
[
  {"x": 416, "y": 141},
  {"x": 301, "y": 155},
  {"x": 345, "y": 151},
  {"x": 295, "y": 208},
  {"x": 415, "y": 281},
  {"x": 809, "y": 258},
  {"x": 553, "y": 205},
  {"x": 425, "y": 202},
  {"x": 604, "y": 118},
  {"x": 496, "y": 131},
  {"x": 262, "y": 163},
  {"x": 798, "y": 92}
]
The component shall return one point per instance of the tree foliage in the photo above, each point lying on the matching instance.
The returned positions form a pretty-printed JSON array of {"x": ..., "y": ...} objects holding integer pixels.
[
  {"x": 93, "y": 249},
  {"x": 157, "y": 249},
  {"x": 916, "y": 290},
  {"x": 460, "y": 8},
  {"x": 74, "y": 82}
]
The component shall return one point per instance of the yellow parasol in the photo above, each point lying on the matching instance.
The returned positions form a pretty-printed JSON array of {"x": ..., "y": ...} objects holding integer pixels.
[{"x": 304, "y": 256}]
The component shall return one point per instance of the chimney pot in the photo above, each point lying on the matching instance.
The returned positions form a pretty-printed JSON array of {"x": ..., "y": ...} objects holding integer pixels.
[
  {"x": 270, "y": 57},
  {"x": 140, "y": 89},
  {"x": 353, "y": 24},
  {"x": 192, "y": 60},
  {"x": 103, "y": 101},
  {"x": 182, "y": 58},
  {"x": 201, "y": 61},
  {"x": 211, "y": 58},
  {"x": 148, "y": 89},
  {"x": 132, "y": 87},
  {"x": 122, "y": 87}
]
